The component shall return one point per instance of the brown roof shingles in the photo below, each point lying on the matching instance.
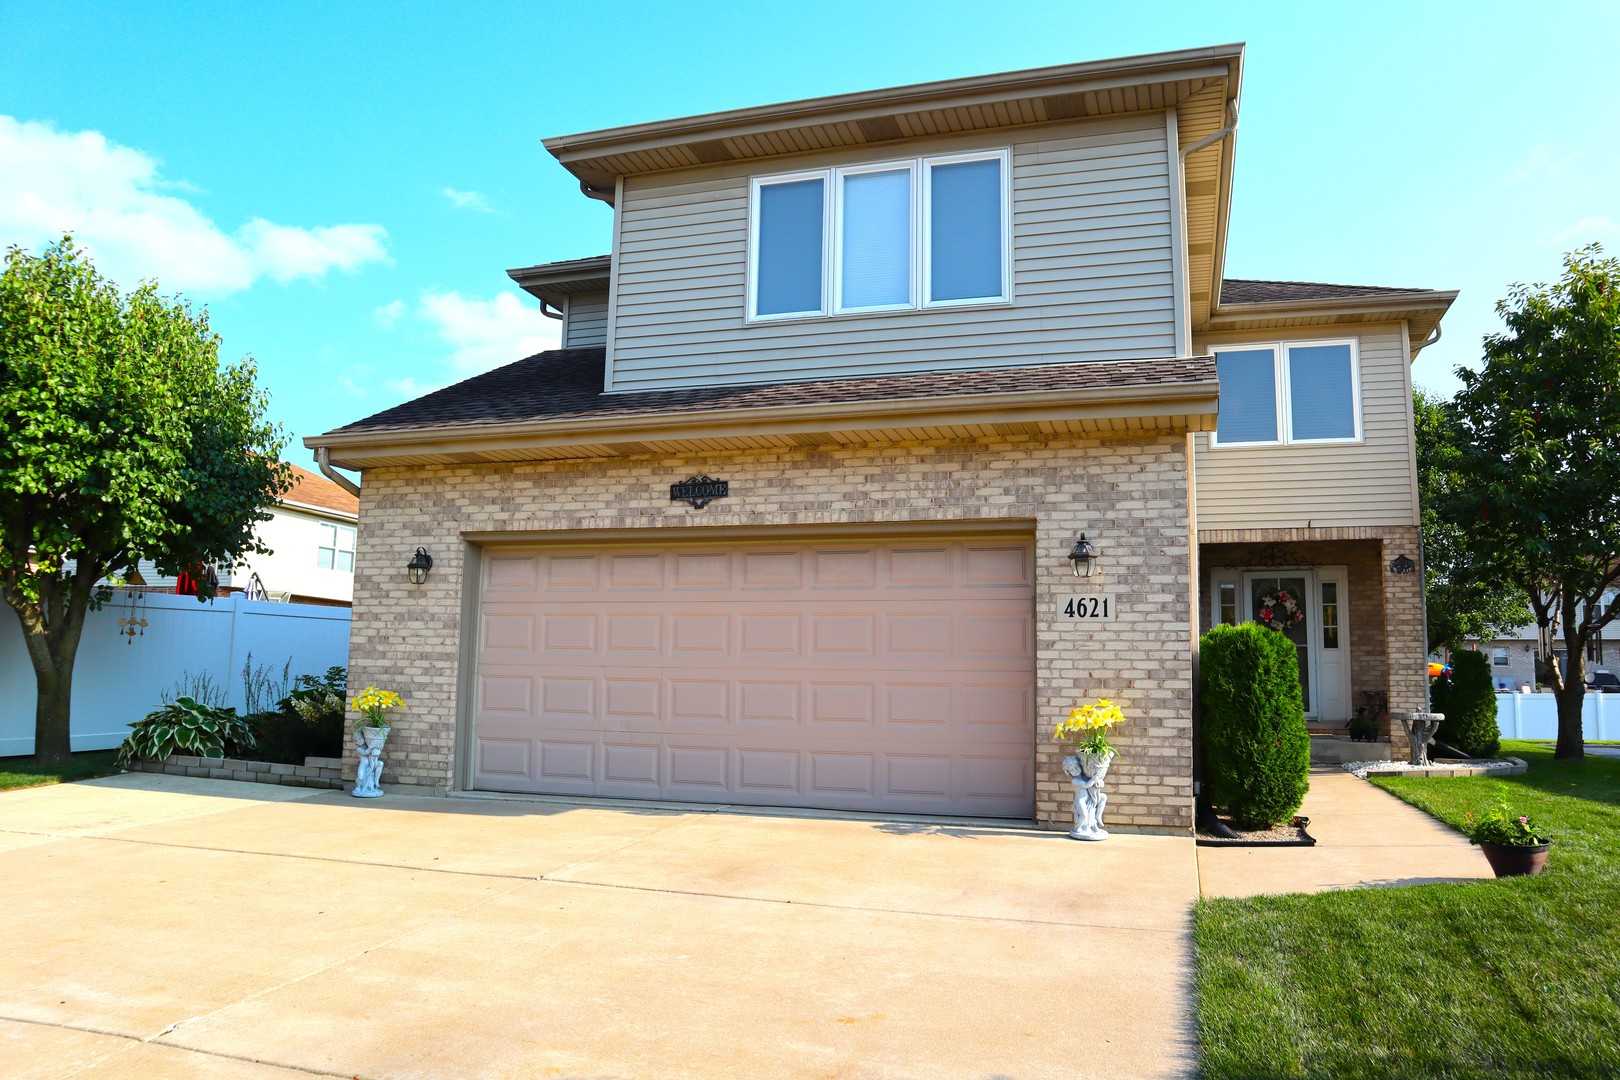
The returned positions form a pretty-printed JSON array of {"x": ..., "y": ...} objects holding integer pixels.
[
  {"x": 1249, "y": 291},
  {"x": 566, "y": 384},
  {"x": 317, "y": 491}
]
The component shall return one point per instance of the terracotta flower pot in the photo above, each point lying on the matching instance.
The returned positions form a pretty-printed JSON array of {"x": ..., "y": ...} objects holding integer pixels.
[{"x": 1513, "y": 860}]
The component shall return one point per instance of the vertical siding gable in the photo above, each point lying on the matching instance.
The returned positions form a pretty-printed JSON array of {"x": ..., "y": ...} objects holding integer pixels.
[{"x": 1093, "y": 271}]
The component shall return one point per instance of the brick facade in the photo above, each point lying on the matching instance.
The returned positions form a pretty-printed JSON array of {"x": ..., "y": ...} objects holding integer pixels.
[
  {"x": 1130, "y": 495},
  {"x": 1385, "y": 608}
]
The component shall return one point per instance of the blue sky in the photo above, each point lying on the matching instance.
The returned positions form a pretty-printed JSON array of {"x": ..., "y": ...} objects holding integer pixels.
[{"x": 343, "y": 185}]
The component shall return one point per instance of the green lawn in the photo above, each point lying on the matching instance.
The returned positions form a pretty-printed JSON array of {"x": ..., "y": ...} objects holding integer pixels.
[
  {"x": 19, "y": 772},
  {"x": 1511, "y": 978}
]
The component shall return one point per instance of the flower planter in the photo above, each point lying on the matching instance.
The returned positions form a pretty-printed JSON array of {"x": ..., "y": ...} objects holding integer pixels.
[
  {"x": 368, "y": 743},
  {"x": 1087, "y": 772},
  {"x": 1515, "y": 860}
]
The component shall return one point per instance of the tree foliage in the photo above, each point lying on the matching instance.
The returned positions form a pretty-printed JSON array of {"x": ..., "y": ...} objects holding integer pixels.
[
  {"x": 1538, "y": 464},
  {"x": 1465, "y": 599},
  {"x": 1257, "y": 750},
  {"x": 121, "y": 438}
]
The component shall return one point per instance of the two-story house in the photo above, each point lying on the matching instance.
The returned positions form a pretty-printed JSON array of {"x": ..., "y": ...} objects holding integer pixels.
[{"x": 789, "y": 518}]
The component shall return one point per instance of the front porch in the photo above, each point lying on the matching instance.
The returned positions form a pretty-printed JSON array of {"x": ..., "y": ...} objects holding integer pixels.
[{"x": 1359, "y": 624}]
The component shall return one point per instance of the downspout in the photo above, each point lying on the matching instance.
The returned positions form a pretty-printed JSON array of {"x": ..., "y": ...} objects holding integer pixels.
[
  {"x": 1434, "y": 336},
  {"x": 323, "y": 460},
  {"x": 546, "y": 310},
  {"x": 1210, "y": 140},
  {"x": 596, "y": 193}
]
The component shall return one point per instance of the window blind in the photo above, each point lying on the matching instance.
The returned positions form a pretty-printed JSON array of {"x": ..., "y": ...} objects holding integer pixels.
[
  {"x": 1248, "y": 379},
  {"x": 1321, "y": 392},
  {"x": 965, "y": 230},
  {"x": 876, "y": 239},
  {"x": 788, "y": 273}
]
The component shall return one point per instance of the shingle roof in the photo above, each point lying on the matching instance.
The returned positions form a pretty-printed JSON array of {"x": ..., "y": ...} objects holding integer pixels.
[
  {"x": 311, "y": 490},
  {"x": 1247, "y": 291},
  {"x": 566, "y": 384}
]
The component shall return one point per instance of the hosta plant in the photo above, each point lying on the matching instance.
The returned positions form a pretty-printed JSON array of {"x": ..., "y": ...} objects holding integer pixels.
[{"x": 184, "y": 727}]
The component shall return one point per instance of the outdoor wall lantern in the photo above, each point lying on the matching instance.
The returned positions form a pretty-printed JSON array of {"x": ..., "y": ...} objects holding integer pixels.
[
  {"x": 1402, "y": 565},
  {"x": 417, "y": 569},
  {"x": 1083, "y": 557}
]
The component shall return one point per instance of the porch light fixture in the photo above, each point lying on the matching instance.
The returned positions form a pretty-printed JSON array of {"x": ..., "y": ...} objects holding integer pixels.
[
  {"x": 1083, "y": 557},
  {"x": 1402, "y": 565},
  {"x": 417, "y": 569}
]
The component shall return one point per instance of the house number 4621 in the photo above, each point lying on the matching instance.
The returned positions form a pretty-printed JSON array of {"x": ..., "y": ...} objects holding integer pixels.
[{"x": 1094, "y": 607}]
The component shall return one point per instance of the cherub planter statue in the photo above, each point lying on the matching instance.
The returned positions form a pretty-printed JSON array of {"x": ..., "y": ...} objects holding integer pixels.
[
  {"x": 1087, "y": 764},
  {"x": 373, "y": 706}
]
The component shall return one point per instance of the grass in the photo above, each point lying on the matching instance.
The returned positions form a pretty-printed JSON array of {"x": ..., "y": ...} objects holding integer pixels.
[
  {"x": 1512, "y": 978},
  {"x": 20, "y": 772}
]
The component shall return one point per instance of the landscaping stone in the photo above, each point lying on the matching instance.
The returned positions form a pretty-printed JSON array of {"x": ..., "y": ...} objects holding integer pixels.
[{"x": 1511, "y": 766}]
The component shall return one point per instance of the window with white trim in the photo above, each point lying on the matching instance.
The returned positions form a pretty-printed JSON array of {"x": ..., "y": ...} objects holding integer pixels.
[
  {"x": 336, "y": 550},
  {"x": 1499, "y": 657},
  {"x": 887, "y": 236},
  {"x": 1288, "y": 393}
]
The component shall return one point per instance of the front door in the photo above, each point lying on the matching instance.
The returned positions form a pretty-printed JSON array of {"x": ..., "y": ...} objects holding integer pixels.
[{"x": 1319, "y": 633}]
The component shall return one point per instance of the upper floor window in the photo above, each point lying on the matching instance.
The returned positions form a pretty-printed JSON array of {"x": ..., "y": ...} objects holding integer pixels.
[
  {"x": 336, "y": 551},
  {"x": 1288, "y": 393},
  {"x": 926, "y": 232}
]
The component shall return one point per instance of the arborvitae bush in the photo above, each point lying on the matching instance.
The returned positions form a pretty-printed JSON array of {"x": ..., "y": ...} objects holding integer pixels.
[
  {"x": 1257, "y": 753},
  {"x": 1469, "y": 705}
]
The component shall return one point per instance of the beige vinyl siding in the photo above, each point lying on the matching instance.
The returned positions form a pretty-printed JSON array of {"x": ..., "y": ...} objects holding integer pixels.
[
  {"x": 585, "y": 322},
  {"x": 1092, "y": 270},
  {"x": 1288, "y": 487}
]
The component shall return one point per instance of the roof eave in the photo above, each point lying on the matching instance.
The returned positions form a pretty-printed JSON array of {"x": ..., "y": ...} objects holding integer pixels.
[
  {"x": 1193, "y": 404},
  {"x": 974, "y": 90}
]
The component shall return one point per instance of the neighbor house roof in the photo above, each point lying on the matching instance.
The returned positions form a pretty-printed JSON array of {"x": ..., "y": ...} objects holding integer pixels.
[
  {"x": 552, "y": 405},
  {"x": 314, "y": 492}
]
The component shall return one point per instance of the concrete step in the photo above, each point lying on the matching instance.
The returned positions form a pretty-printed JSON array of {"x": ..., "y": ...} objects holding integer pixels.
[{"x": 1333, "y": 750}]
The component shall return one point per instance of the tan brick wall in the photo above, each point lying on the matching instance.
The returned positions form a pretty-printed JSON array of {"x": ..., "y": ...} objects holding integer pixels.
[
  {"x": 1130, "y": 495},
  {"x": 1385, "y": 608}
]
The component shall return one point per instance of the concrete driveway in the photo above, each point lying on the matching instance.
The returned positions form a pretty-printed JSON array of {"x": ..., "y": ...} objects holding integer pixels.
[{"x": 170, "y": 927}]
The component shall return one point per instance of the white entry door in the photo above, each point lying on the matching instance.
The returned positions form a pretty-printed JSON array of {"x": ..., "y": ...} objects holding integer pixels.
[{"x": 1322, "y": 635}]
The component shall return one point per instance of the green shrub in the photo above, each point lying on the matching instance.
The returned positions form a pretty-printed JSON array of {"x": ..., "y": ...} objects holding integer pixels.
[
  {"x": 1257, "y": 753},
  {"x": 1469, "y": 705},
  {"x": 184, "y": 726},
  {"x": 321, "y": 703}
]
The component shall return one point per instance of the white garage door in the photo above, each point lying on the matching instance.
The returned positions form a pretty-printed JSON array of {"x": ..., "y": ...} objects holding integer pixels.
[{"x": 894, "y": 676}]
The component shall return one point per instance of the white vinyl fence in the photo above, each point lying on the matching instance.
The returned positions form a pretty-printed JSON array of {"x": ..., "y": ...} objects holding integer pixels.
[
  {"x": 1535, "y": 716},
  {"x": 119, "y": 679}
]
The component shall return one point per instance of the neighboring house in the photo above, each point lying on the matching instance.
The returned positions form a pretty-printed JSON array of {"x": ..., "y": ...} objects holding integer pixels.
[
  {"x": 311, "y": 534},
  {"x": 928, "y": 337},
  {"x": 1513, "y": 656}
]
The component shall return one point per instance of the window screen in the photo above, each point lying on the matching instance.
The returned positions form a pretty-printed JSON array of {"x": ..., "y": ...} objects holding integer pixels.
[
  {"x": 965, "y": 230},
  {"x": 1321, "y": 394},
  {"x": 1248, "y": 380},
  {"x": 876, "y": 239},
  {"x": 789, "y": 259}
]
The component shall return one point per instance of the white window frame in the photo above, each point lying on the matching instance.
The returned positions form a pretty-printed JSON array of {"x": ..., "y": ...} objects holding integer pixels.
[
  {"x": 1284, "y": 411},
  {"x": 339, "y": 533},
  {"x": 926, "y": 216},
  {"x": 832, "y": 214},
  {"x": 754, "y": 185}
]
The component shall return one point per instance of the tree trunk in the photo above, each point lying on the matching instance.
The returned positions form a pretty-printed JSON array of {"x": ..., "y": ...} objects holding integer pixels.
[
  {"x": 52, "y": 644},
  {"x": 1572, "y": 694}
]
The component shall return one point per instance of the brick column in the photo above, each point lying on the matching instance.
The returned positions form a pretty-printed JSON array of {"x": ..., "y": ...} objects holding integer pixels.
[{"x": 1405, "y": 644}]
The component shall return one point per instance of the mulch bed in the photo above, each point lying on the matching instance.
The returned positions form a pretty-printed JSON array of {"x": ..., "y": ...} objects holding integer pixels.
[{"x": 1290, "y": 835}]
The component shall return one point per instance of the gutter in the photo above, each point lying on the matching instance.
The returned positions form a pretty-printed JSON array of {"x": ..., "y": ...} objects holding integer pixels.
[{"x": 323, "y": 461}]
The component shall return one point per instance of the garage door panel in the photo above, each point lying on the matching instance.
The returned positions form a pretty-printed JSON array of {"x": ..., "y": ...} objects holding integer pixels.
[{"x": 859, "y": 676}]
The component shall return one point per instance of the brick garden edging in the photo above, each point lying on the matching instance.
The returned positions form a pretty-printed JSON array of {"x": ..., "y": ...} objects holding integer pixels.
[{"x": 315, "y": 772}]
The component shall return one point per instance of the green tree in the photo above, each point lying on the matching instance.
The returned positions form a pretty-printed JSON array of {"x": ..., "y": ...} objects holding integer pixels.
[
  {"x": 1538, "y": 467},
  {"x": 1469, "y": 704},
  {"x": 1465, "y": 599},
  {"x": 121, "y": 438}
]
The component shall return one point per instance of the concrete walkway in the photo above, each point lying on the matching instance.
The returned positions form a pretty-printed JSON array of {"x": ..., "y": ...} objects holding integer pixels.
[
  {"x": 1364, "y": 837},
  {"x": 160, "y": 926}
]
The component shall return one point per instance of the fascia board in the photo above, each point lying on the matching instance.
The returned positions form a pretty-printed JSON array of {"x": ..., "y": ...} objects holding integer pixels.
[{"x": 1200, "y": 399}]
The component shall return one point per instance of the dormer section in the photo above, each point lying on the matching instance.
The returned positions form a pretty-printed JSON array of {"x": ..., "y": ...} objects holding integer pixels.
[
  {"x": 574, "y": 292},
  {"x": 1003, "y": 221}
]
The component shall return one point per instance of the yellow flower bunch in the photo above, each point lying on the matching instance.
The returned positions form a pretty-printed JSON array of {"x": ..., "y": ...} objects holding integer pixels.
[
  {"x": 372, "y": 703},
  {"x": 1087, "y": 726}
]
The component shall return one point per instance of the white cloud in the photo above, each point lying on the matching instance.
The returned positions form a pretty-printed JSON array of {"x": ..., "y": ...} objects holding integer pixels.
[
  {"x": 485, "y": 334},
  {"x": 1591, "y": 228},
  {"x": 389, "y": 314},
  {"x": 468, "y": 200},
  {"x": 115, "y": 203}
]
